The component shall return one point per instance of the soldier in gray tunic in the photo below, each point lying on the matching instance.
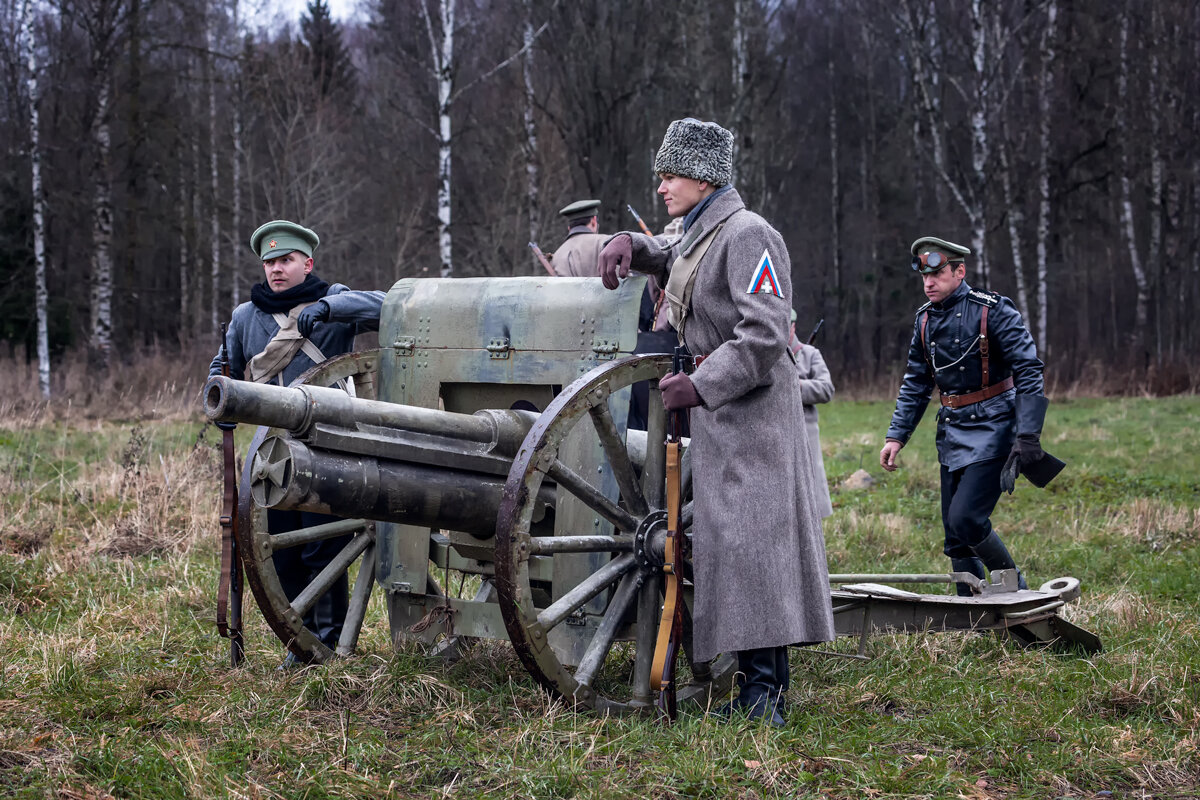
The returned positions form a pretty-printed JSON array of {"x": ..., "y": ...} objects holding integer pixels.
[
  {"x": 293, "y": 321},
  {"x": 974, "y": 347},
  {"x": 578, "y": 256},
  {"x": 761, "y": 580},
  {"x": 816, "y": 386}
]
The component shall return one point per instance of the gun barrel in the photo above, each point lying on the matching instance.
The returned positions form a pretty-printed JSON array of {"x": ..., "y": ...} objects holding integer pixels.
[{"x": 298, "y": 408}]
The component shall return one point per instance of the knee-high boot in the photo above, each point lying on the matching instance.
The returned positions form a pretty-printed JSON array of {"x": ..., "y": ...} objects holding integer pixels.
[{"x": 761, "y": 686}]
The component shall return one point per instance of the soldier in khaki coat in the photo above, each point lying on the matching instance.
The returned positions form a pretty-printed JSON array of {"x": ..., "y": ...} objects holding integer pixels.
[
  {"x": 816, "y": 386},
  {"x": 761, "y": 581},
  {"x": 578, "y": 256}
]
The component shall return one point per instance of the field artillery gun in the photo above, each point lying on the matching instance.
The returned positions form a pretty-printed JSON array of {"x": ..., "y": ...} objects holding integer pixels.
[{"x": 489, "y": 439}]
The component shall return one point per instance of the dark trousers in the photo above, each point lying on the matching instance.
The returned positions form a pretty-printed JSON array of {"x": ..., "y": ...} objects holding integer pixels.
[
  {"x": 969, "y": 496},
  {"x": 298, "y": 566}
]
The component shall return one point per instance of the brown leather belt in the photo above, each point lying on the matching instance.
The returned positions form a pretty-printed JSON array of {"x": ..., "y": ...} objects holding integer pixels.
[{"x": 960, "y": 400}]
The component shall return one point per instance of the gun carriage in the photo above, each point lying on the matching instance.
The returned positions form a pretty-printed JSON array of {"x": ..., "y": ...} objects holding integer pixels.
[{"x": 487, "y": 437}]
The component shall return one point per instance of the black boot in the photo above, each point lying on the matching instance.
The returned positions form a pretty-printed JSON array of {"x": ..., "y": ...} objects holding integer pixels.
[
  {"x": 996, "y": 556},
  {"x": 971, "y": 566},
  {"x": 328, "y": 614},
  {"x": 762, "y": 687}
]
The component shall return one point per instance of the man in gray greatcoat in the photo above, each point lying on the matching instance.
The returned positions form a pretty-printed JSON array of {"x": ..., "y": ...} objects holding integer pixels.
[
  {"x": 293, "y": 321},
  {"x": 974, "y": 347},
  {"x": 578, "y": 256},
  {"x": 816, "y": 386},
  {"x": 761, "y": 581}
]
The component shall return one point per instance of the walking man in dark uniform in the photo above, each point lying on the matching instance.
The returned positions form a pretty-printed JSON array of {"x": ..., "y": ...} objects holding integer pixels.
[
  {"x": 975, "y": 348},
  {"x": 579, "y": 255}
]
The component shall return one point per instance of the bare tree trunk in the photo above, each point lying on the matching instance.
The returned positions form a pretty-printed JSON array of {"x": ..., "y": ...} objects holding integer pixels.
[
  {"x": 442, "y": 50},
  {"x": 102, "y": 227},
  {"x": 214, "y": 175},
  {"x": 1126, "y": 203},
  {"x": 1016, "y": 217},
  {"x": 739, "y": 82},
  {"x": 1156, "y": 171},
  {"x": 531, "y": 142},
  {"x": 236, "y": 166},
  {"x": 1043, "y": 170},
  {"x": 835, "y": 189},
  {"x": 41, "y": 296},
  {"x": 979, "y": 139},
  {"x": 185, "y": 256}
]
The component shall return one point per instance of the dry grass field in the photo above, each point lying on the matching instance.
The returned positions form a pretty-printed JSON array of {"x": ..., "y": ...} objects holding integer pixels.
[{"x": 115, "y": 684}]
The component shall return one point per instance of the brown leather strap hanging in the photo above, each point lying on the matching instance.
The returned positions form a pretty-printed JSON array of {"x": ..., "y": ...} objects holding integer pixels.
[{"x": 924, "y": 347}]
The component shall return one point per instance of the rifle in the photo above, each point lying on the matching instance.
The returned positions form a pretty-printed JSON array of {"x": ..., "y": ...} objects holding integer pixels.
[
  {"x": 670, "y": 626},
  {"x": 638, "y": 217},
  {"x": 229, "y": 589},
  {"x": 537, "y": 251},
  {"x": 812, "y": 337}
]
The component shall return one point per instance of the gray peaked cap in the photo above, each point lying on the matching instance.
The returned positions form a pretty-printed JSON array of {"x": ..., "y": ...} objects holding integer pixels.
[{"x": 699, "y": 150}]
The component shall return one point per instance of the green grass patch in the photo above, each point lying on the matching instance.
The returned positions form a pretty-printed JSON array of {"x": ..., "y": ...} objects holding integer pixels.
[{"x": 114, "y": 682}]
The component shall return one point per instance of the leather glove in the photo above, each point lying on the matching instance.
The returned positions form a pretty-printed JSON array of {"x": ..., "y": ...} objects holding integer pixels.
[
  {"x": 226, "y": 426},
  {"x": 678, "y": 392},
  {"x": 615, "y": 259},
  {"x": 1027, "y": 450},
  {"x": 307, "y": 319}
]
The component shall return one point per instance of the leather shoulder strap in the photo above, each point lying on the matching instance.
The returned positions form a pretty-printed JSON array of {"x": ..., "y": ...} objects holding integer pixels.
[{"x": 683, "y": 278}]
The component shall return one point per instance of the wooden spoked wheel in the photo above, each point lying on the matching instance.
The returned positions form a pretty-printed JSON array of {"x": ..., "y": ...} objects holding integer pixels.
[
  {"x": 257, "y": 545},
  {"x": 612, "y": 615}
]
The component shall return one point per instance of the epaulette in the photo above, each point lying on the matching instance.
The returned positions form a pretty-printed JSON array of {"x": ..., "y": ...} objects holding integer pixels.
[
  {"x": 925, "y": 307},
  {"x": 989, "y": 299}
]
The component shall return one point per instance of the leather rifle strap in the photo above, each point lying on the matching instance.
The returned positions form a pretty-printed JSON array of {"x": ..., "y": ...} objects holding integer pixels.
[
  {"x": 228, "y": 510},
  {"x": 670, "y": 625}
]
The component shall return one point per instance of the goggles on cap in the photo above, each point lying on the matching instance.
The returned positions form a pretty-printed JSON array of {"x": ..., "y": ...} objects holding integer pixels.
[{"x": 931, "y": 262}]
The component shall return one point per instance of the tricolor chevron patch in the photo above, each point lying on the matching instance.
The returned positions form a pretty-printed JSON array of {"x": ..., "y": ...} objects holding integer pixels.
[{"x": 765, "y": 279}]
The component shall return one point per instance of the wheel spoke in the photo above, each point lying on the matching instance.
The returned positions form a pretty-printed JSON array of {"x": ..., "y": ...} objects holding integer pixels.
[
  {"x": 590, "y": 496},
  {"x": 359, "y": 598},
  {"x": 606, "y": 632},
  {"x": 646, "y": 633},
  {"x": 585, "y": 590},
  {"x": 618, "y": 458},
  {"x": 654, "y": 471},
  {"x": 333, "y": 570},
  {"x": 315, "y": 533},
  {"x": 549, "y": 545}
]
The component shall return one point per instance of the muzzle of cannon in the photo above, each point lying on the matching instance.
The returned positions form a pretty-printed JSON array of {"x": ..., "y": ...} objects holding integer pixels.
[{"x": 487, "y": 446}]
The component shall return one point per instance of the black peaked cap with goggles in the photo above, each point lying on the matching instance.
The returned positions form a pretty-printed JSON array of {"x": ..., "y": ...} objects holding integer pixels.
[{"x": 930, "y": 254}]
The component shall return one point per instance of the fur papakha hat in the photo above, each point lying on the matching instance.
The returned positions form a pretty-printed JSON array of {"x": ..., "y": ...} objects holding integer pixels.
[{"x": 699, "y": 150}]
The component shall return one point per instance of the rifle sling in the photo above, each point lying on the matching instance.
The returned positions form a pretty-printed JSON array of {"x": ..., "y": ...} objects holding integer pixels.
[{"x": 670, "y": 626}]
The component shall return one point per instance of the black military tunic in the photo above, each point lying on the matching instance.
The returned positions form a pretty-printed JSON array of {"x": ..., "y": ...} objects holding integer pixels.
[{"x": 949, "y": 355}]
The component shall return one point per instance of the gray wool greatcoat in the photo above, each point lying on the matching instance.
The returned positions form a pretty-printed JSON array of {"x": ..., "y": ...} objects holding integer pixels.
[
  {"x": 816, "y": 386},
  {"x": 350, "y": 313},
  {"x": 758, "y": 551}
]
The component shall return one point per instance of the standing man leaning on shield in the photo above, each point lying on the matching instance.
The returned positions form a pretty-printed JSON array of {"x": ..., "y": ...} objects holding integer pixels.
[
  {"x": 761, "y": 581},
  {"x": 974, "y": 347}
]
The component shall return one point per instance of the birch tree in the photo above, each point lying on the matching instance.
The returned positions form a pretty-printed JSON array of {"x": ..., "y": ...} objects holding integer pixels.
[
  {"x": 1047, "y": 49},
  {"x": 41, "y": 296},
  {"x": 214, "y": 315},
  {"x": 1129, "y": 235},
  {"x": 530, "y": 144},
  {"x": 441, "y": 48}
]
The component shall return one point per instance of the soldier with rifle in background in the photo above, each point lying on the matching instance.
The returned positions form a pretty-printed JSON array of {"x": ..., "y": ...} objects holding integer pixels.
[
  {"x": 578, "y": 256},
  {"x": 816, "y": 386},
  {"x": 295, "y": 320}
]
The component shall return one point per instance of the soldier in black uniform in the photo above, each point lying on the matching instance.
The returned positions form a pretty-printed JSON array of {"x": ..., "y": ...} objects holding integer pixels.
[{"x": 975, "y": 348}]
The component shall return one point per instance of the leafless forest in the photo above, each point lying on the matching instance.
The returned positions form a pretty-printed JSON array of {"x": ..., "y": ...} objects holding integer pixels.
[{"x": 142, "y": 141}]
